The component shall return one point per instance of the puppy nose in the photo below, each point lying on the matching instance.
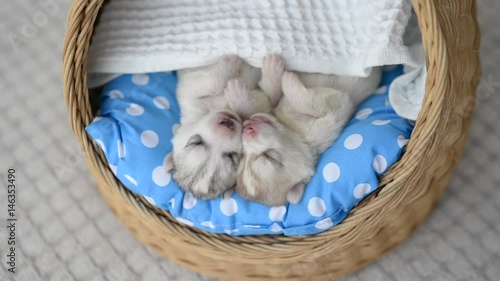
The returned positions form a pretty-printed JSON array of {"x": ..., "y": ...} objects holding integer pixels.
[{"x": 228, "y": 123}]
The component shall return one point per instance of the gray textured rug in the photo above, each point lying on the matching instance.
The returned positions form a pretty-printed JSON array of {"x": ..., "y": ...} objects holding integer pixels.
[{"x": 65, "y": 231}]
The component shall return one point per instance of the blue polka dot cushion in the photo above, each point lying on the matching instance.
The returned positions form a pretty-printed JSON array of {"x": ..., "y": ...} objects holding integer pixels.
[{"x": 139, "y": 115}]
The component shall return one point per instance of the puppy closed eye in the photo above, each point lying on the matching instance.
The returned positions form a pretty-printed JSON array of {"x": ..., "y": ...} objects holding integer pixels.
[
  {"x": 233, "y": 157},
  {"x": 272, "y": 156},
  {"x": 195, "y": 140}
]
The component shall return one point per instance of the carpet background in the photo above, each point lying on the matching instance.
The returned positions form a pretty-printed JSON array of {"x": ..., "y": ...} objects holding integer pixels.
[{"x": 65, "y": 231}]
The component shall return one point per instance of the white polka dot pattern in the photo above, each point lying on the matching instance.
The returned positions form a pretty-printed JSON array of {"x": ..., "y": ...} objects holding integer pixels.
[
  {"x": 140, "y": 79},
  {"x": 189, "y": 201},
  {"x": 100, "y": 144},
  {"x": 316, "y": 207},
  {"x": 364, "y": 113},
  {"x": 379, "y": 164},
  {"x": 131, "y": 179},
  {"x": 150, "y": 200},
  {"x": 208, "y": 224},
  {"x": 381, "y": 122},
  {"x": 122, "y": 151},
  {"x": 149, "y": 139},
  {"x": 175, "y": 127},
  {"x": 331, "y": 172},
  {"x": 171, "y": 202},
  {"x": 184, "y": 221},
  {"x": 361, "y": 190},
  {"x": 402, "y": 141},
  {"x": 231, "y": 231},
  {"x": 113, "y": 168},
  {"x": 277, "y": 213},
  {"x": 353, "y": 141},
  {"x": 161, "y": 103},
  {"x": 324, "y": 223},
  {"x": 160, "y": 176},
  {"x": 135, "y": 109},
  {"x": 276, "y": 228},
  {"x": 116, "y": 94},
  {"x": 228, "y": 207}
]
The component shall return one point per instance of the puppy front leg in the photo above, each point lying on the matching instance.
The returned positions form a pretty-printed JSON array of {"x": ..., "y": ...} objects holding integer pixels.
[
  {"x": 203, "y": 91},
  {"x": 228, "y": 68},
  {"x": 297, "y": 95},
  {"x": 316, "y": 102},
  {"x": 273, "y": 68}
]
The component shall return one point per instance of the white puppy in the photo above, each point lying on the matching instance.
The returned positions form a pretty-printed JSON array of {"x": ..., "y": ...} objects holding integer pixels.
[
  {"x": 280, "y": 152},
  {"x": 213, "y": 101}
]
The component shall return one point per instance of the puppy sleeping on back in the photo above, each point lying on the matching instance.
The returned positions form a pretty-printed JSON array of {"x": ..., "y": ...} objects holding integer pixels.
[
  {"x": 213, "y": 101},
  {"x": 280, "y": 152}
]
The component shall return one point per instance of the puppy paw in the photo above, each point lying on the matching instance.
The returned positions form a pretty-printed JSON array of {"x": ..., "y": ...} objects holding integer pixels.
[
  {"x": 273, "y": 66},
  {"x": 236, "y": 90},
  {"x": 229, "y": 65},
  {"x": 291, "y": 83}
]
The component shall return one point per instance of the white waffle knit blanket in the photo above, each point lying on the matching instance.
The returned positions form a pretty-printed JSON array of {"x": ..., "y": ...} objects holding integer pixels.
[{"x": 343, "y": 37}]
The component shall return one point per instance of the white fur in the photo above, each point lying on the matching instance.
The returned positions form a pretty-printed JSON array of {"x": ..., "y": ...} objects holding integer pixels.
[
  {"x": 317, "y": 114},
  {"x": 207, "y": 96},
  {"x": 309, "y": 117},
  {"x": 275, "y": 160}
]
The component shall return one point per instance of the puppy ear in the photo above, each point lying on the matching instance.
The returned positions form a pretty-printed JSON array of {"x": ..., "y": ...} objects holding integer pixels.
[
  {"x": 168, "y": 163},
  {"x": 295, "y": 193}
]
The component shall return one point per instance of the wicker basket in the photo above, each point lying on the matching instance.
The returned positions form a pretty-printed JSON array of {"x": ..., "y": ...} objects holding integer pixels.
[{"x": 407, "y": 194}]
